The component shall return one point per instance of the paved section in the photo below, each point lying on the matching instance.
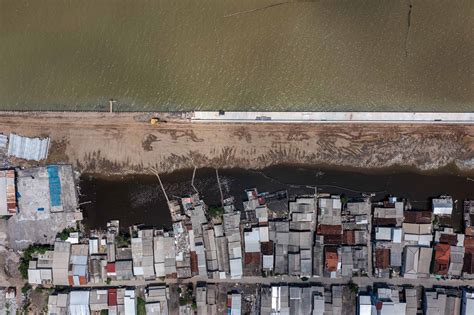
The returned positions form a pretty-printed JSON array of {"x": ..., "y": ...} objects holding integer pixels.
[
  {"x": 360, "y": 281},
  {"x": 340, "y": 117}
]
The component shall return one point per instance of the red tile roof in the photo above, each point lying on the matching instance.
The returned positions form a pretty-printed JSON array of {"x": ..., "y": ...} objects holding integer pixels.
[
  {"x": 442, "y": 252},
  {"x": 451, "y": 239},
  {"x": 252, "y": 259},
  {"x": 112, "y": 297},
  {"x": 331, "y": 259},
  {"x": 382, "y": 258},
  {"x": 419, "y": 217},
  {"x": 110, "y": 267},
  {"x": 469, "y": 261},
  {"x": 267, "y": 248},
  {"x": 194, "y": 263},
  {"x": 348, "y": 237},
  {"x": 325, "y": 229},
  {"x": 333, "y": 239}
]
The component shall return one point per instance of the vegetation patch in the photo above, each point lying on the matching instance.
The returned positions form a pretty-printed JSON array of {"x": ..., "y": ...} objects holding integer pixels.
[{"x": 215, "y": 212}]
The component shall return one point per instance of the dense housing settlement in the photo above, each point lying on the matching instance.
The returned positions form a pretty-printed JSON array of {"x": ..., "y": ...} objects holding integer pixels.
[{"x": 312, "y": 254}]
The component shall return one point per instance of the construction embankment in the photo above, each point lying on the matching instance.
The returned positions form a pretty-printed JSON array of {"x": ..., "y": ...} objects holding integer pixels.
[{"x": 119, "y": 143}]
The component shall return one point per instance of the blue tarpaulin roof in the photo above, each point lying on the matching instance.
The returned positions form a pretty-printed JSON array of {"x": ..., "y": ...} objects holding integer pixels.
[{"x": 54, "y": 186}]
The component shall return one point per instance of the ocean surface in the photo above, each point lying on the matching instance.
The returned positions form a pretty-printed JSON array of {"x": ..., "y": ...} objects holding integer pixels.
[
  {"x": 138, "y": 199},
  {"x": 237, "y": 55}
]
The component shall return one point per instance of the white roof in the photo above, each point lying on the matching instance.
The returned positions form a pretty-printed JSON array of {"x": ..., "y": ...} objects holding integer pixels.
[
  {"x": 268, "y": 261},
  {"x": 79, "y": 303},
  {"x": 263, "y": 233},
  {"x": 236, "y": 268},
  {"x": 252, "y": 241},
  {"x": 34, "y": 276},
  {"x": 397, "y": 235},
  {"x": 383, "y": 233},
  {"x": 129, "y": 302}
]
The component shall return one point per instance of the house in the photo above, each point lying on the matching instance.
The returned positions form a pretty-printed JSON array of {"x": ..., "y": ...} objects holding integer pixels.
[
  {"x": 440, "y": 301},
  {"x": 279, "y": 299},
  {"x": 280, "y": 236},
  {"x": 468, "y": 218},
  {"x": 156, "y": 299},
  {"x": 40, "y": 270},
  {"x": 78, "y": 273},
  {"x": 365, "y": 305},
  {"x": 418, "y": 234},
  {"x": 391, "y": 234},
  {"x": 211, "y": 299},
  {"x": 467, "y": 306},
  {"x": 443, "y": 206},
  {"x": 234, "y": 303},
  {"x": 79, "y": 303},
  {"x": 442, "y": 254},
  {"x": 142, "y": 254},
  {"x": 319, "y": 305},
  {"x": 231, "y": 222},
  {"x": 201, "y": 299},
  {"x": 123, "y": 270},
  {"x": 58, "y": 303},
  {"x": 164, "y": 256},
  {"x": 130, "y": 302},
  {"x": 417, "y": 262},
  {"x": 61, "y": 255},
  {"x": 391, "y": 214},
  {"x": 211, "y": 253},
  {"x": 222, "y": 249},
  {"x": 303, "y": 213},
  {"x": 8, "y": 205},
  {"x": 43, "y": 193},
  {"x": 301, "y": 299},
  {"x": 332, "y": 265},
  {"x": 98, "y": 300},
  {"x": 112, "y": 300},
  {"x": 388, "y": 302},
  {"x": 412, "y": 299},
  {"x": 98, "y": 271},
  {"x": 329, "y": 212}
]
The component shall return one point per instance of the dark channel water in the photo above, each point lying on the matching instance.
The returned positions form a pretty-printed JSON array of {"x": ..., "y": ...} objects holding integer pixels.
[{"x": 136, "y": 199}]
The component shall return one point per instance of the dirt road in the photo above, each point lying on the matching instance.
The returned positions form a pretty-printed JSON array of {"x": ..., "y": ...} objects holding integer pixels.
[{"x": 126, "y": 143}]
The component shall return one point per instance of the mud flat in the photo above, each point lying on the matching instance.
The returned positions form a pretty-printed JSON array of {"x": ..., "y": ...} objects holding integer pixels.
[
  {"x": 139, "y": 199},
  {"x": 117, "y": 144}
]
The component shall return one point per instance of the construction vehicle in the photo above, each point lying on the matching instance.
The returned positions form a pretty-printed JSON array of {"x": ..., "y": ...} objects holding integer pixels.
[{"x": 156, "y": 120}]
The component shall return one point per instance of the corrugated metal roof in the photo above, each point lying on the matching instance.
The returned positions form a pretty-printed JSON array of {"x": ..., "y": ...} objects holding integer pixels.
[
  {"x": 28, "y": 148},
  {"x": 3, "y": 141}
]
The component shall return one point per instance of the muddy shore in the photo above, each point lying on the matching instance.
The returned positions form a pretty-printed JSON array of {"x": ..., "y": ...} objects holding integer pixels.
[
  {"x": 117, "y": 144},
  {"x": 138, "y": 198}
]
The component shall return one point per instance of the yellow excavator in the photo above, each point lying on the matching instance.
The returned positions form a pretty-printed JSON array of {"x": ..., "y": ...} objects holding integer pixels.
[{"x": 156, "y": 120}]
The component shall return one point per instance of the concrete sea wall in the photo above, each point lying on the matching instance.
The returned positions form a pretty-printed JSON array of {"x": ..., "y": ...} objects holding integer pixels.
[{"x": 339, "y": 117}]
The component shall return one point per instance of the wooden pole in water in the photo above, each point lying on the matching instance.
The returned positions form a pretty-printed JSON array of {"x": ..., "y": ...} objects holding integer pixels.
[
  {"x": 154, "y": 171},
  {"x": 111, "y": 105},
  {"x": 192, "y": 181},
  {"x": 220, "y": 188}
]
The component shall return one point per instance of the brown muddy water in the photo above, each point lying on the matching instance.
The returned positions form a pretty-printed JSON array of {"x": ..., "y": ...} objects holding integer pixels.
[
  {"x": 333, "y": 55},
  {"x": 138, "y": 199}
]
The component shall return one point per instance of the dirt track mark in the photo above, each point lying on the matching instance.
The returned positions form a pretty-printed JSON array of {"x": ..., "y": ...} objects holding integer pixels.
[
  {"x": 147, "y": 143},
  {"x": 242, "y": 133},
  {"x": 296, "y": 135},
  {"x": 176, "y": 134}
]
